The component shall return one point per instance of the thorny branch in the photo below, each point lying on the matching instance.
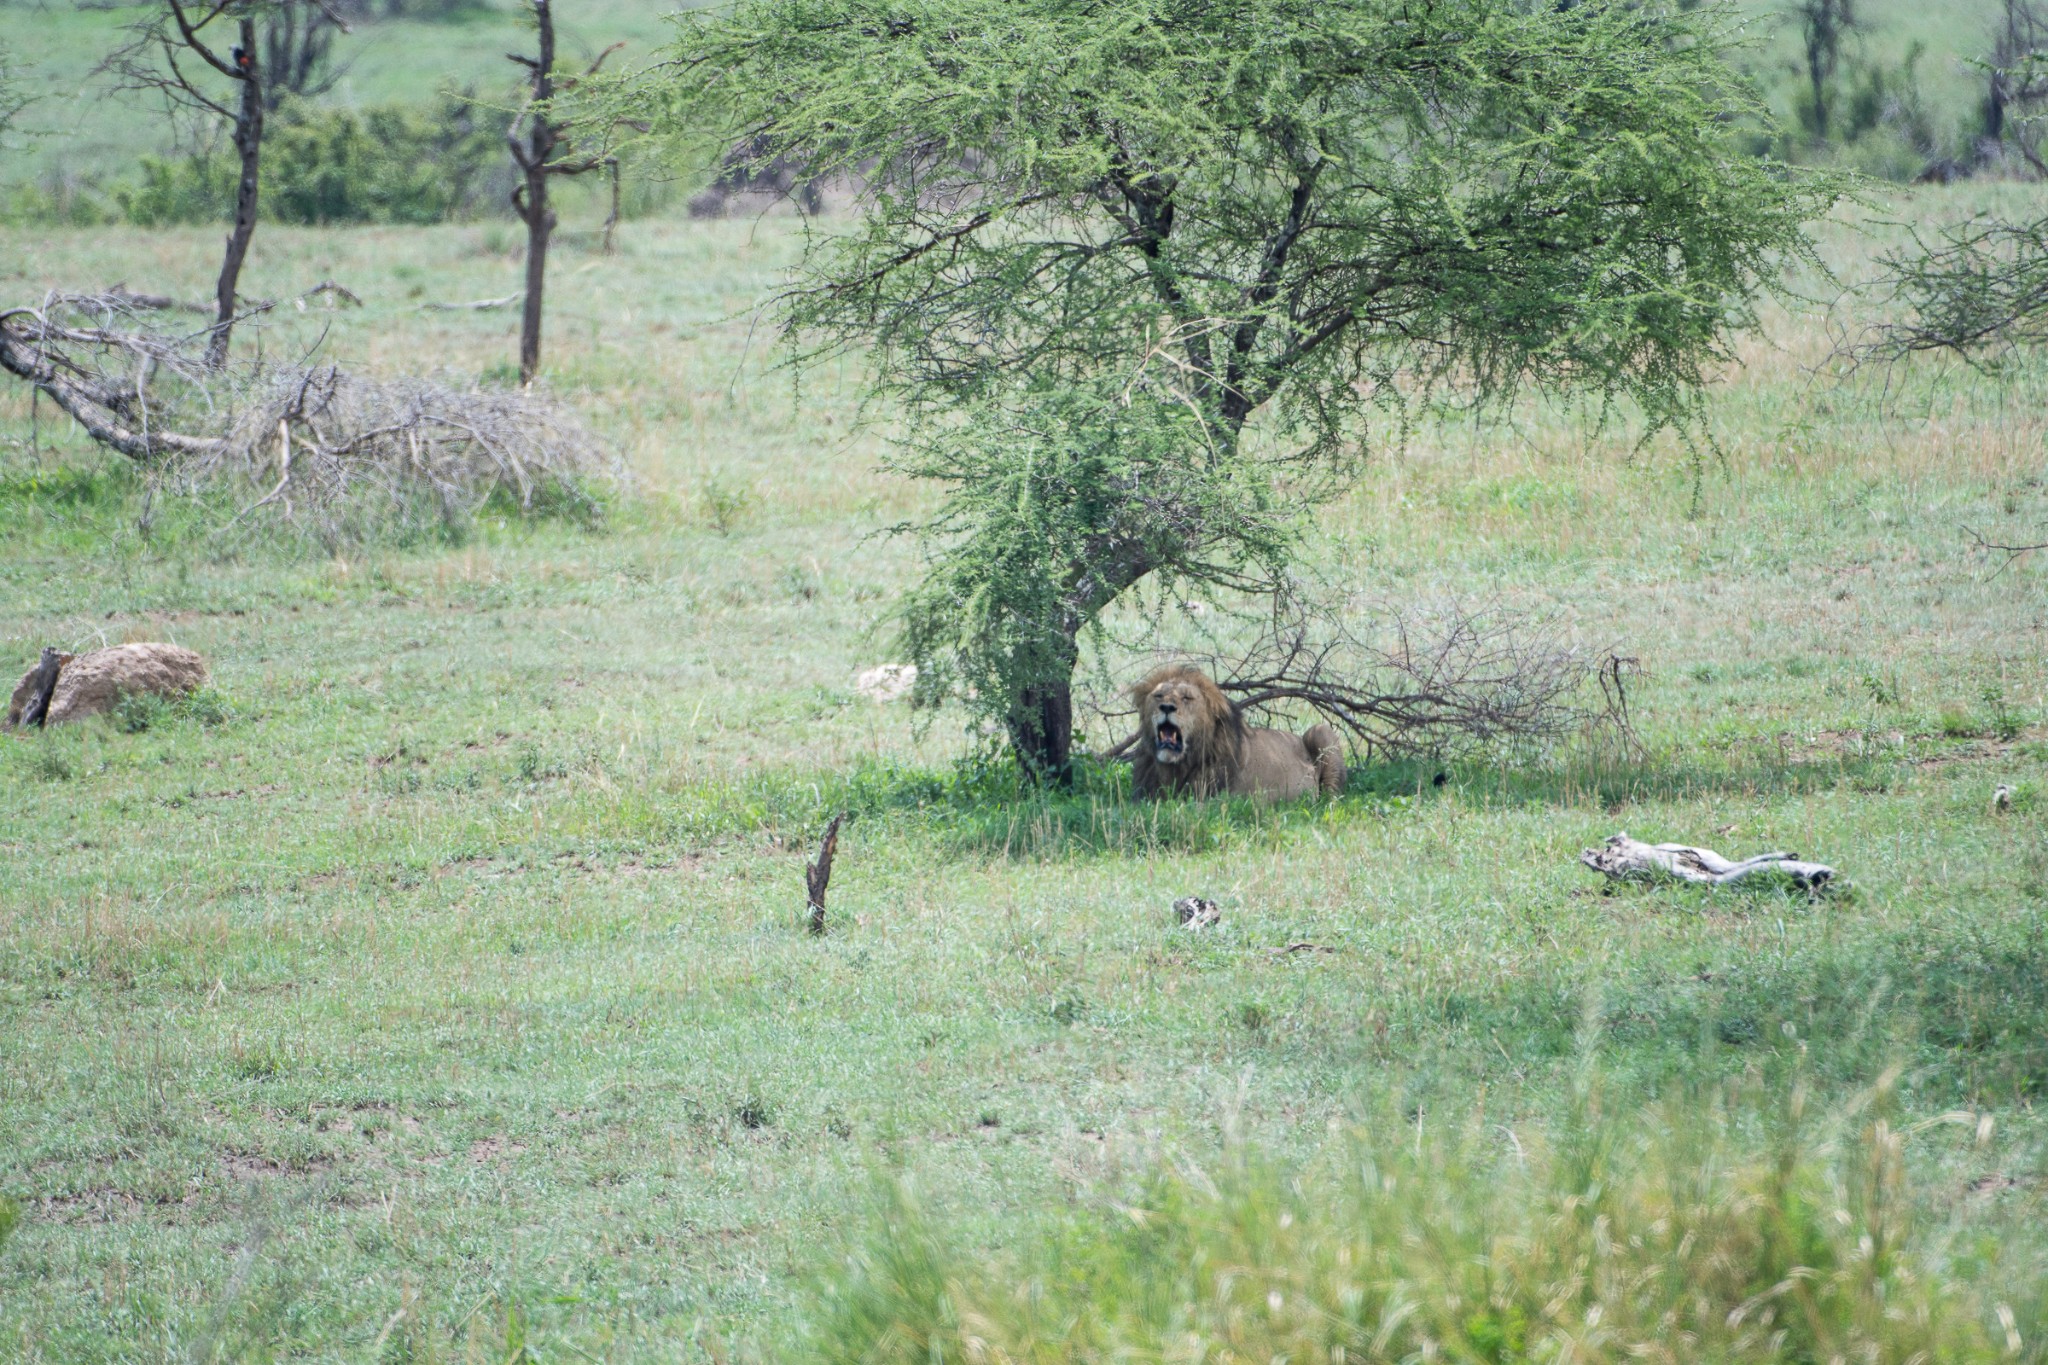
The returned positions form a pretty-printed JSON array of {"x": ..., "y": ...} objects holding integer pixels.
[{"x": 1432, "y": 681}]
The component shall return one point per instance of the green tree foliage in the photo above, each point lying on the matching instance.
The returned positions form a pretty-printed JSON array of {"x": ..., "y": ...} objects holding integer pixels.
[{"x": 1134, "y": 270}]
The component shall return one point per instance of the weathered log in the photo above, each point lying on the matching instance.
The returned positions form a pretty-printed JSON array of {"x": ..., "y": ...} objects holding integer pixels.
[
  {"x": 42, "y": 682},
  {"x": 819, "y": 874},
  {"x": 1626, "y": 859}
]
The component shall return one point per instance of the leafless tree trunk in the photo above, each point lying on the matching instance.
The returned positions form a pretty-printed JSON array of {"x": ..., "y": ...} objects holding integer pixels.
[
  {"x": 172, "y": 32},
  {"x": 298, "y": 44},
  {"x": 541, "y": 147},
  {"x": 1822, "y": 25},
  {"x": 249, "y": 151},
  {"x": 530, "y": 198}
]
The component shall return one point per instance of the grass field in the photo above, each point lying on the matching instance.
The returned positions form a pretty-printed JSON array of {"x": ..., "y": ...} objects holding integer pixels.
[{"x": 434, "y": 989}]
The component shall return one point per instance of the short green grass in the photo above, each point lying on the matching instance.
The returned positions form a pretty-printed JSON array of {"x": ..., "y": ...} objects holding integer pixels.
[{"x": 433, "y": 986}]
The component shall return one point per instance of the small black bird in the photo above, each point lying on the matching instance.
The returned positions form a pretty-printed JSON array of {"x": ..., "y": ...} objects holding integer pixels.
[
  {"x": 1439, "y": 779},
  {"x": 240, "y": 58}
]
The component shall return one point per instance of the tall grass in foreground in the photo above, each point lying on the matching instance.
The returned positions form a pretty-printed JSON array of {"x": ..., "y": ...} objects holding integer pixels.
[{"x": 1693, "y": 1232}]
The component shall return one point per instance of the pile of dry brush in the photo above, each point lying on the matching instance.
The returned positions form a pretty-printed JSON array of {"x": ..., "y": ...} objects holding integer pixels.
[{"x": 330, "y": 453}]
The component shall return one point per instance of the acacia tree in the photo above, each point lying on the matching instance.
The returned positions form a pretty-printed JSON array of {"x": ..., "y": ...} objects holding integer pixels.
[{"x": 1131, "y": 270}]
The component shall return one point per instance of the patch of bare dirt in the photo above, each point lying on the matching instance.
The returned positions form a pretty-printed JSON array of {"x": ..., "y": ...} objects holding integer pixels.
[{"x": 489, "y": 1149}]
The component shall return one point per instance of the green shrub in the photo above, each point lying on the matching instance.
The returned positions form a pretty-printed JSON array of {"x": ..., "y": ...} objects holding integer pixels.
[
  {"x": 388, "y": 163},
  {"x": 138, "y": 712},
  {"x": 195, "y": 188}
]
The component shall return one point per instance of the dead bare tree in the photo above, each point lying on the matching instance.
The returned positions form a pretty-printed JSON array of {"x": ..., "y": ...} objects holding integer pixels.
[
  {"x": 297, "y": 38},
  {"x": 168, "y": 54},
  {"x": 2016, "y": 83},
  {"x": 1822, "y": 26},
  {"x": 542, "y": 146}
]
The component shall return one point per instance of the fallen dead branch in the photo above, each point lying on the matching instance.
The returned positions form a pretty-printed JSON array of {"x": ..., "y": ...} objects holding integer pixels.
[
  {"x": 328, "y": 451},
  {"x": 133, "y": 301},
  {"x": 100, "y": 373},
  {"x": 1624, "y": 859}
]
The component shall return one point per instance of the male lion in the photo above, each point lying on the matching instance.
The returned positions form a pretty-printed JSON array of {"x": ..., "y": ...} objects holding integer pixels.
[{"x": 1193, "y": 741}]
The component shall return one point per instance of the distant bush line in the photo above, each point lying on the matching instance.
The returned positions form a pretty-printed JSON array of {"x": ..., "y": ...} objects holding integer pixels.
[{"x": 403, "y": 163}]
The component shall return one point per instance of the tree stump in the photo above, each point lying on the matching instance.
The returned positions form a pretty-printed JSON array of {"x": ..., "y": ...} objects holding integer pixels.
[
  {"x": 41, "y": 684},
  {"x": 818, "y": 875}
]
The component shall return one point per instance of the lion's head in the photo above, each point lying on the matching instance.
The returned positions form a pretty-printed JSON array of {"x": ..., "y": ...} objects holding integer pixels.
[{"x": 1187, "y": 728}]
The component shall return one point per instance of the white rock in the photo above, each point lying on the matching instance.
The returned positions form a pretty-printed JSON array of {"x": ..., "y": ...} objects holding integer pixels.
[{"x": 886, "y": 682}]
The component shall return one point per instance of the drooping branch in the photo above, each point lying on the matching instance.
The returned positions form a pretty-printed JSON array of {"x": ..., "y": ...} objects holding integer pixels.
[
  {"x": 1977, "y": 288},
  {"x": 2012, "y": 553}
]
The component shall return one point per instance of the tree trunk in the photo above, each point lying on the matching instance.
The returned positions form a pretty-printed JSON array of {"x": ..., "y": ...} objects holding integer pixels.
[
  {"x": 540, "y": 225},
  {"x": 1042, "y": 732},
  {"x": 249, "y": 147},
  {"x": 532, "y": 197}
]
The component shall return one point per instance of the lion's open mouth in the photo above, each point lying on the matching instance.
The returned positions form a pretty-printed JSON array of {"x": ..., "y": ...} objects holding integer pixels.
[{"x": 1168, "y": 744}]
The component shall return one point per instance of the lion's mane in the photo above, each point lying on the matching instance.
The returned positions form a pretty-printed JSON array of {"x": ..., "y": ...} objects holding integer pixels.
[
  {"x": 1215, "y": 737},
  {"x": 1220, "y": 752}
]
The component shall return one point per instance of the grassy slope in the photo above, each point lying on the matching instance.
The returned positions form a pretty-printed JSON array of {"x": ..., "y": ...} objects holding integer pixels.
[{"x": 459, "y": 960}]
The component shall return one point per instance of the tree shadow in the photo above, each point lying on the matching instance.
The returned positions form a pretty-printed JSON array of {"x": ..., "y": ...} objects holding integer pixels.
[{"x": 982, "y": 806}]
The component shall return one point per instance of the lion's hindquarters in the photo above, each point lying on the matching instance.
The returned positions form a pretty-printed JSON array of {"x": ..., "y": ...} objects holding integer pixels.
[
  {"x": 1326, "y": 754},
  {"x": 1276, "y": 765}
]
